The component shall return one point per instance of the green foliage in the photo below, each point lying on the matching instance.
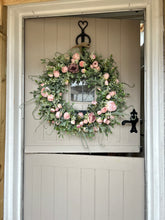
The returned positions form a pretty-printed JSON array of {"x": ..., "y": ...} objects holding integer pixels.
[{"x": 101, "y": 74}]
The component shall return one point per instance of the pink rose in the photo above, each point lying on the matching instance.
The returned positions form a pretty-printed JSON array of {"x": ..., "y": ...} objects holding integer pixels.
[
  {"x": 91, "y": 66},
  {"x": 94, "y": 103},
  {"x": 76, "y": 56},
  {"x": 93, "y": 56},
  {"x": 112, "y": 117},
  {"x": 108, "y": 96},
  {"x": 83, "y": 70},
  {"x": 59, "y": 106},
  {"x": 58, "y": 114},
  {"x": 50, "y": 75},
  {"x": 44, "y": 93},
  {"x": 85, "y": 121},
  {"x": 99, "y": 89},
  {"x": 117, "y": 81},
  {"x": 56, "y": 73},
  {"x": 52, "y": 122},
  {"x": 50, "y": 98},
  {"x": 66, "y": 82},
  {"x": 60, "y": 93},
  {"x": 99, "y": 120},
  {"x": 73, "y": 122},
  {"x": 78, "y": 126},
  {"x": 64, "y": 69},
  {"x": 81, "y": 123},
  {"x": 52, "y": 110},
  {"x": 82, "y": 63},
  {"x": 106, "y": 82},
  {"x": 73, "y": 68},
  {"x": 66, "y": 115},
  {"x": 111, "y": 106},
  {"x": 80, "y": 114},
  {"x": 105, "y": 120},
  {"x": 104, "y": 110},
  {"x": 56, "y": 109},
  {"x": 95, "y": 64},
  {"x": 92, "y": 117},
  {"x": 106, "y": 76},
  {"x": 42, "y": 84},
  {"x": 112, "y": 93},
  {"x": 99, "y": 112}
]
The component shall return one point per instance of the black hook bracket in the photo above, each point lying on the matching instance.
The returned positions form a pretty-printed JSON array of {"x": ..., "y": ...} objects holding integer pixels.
[
  {"x": 133, "y": 120},
  {"x": 83, "y": 25}
]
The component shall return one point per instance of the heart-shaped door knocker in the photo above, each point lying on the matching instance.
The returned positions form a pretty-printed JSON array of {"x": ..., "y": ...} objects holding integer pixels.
[{"x": 83, "y": 25}]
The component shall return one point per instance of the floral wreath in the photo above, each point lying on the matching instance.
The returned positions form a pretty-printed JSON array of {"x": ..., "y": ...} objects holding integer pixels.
[{"x": 74, "y": 67}]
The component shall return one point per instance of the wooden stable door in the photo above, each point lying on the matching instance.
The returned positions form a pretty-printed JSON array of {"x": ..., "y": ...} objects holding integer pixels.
[{"x": 82, "y": 187}]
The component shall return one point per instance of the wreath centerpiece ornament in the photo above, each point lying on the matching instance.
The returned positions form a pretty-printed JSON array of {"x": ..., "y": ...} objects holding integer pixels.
[{"x": 100, "y": 75}]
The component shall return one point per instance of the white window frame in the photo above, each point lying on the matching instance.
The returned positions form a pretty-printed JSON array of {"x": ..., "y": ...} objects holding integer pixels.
[{"x": 154, "y": 100}]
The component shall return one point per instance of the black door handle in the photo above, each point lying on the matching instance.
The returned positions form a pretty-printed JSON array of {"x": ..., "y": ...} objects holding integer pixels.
[{"x": 133, "y": 120}]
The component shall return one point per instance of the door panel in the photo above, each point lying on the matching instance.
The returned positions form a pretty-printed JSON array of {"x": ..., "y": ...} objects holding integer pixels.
[
  {"x": 46, "y": 36},
  {"x": 72, "y": 187}
]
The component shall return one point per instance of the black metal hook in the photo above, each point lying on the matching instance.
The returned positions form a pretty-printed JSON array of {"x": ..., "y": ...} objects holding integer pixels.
[
  {"x": 133, "y": 120},
  {"x": 83, "y": 25}
]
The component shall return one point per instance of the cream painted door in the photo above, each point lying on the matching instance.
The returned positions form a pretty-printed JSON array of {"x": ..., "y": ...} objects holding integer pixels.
[
  {"x": 120, "y": 38},
  {"x": 79, "y": 187}
]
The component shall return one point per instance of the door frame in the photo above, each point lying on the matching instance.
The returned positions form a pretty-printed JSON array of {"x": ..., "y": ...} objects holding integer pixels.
[{"x": 154, "y": 99}]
